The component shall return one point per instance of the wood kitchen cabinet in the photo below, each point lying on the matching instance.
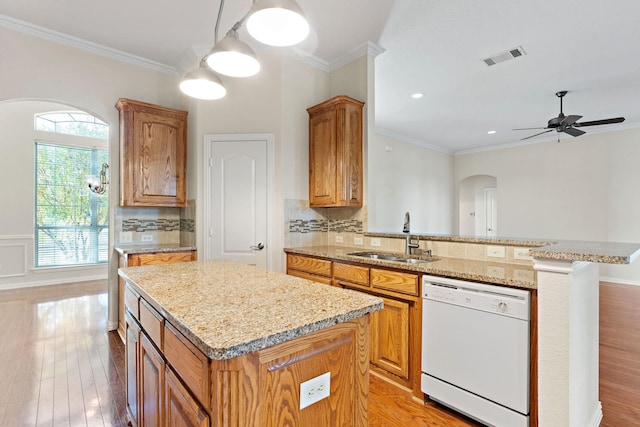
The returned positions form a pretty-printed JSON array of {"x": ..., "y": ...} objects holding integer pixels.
[
  {"x": 395, "y": 331},
  {"x": 335, "y": 153},
  {"x": 176, "y": 384},
  {"x": 139, "y": 259},
  {"x": 132, "y": 349},
  {"x": 153, "y": 154}
]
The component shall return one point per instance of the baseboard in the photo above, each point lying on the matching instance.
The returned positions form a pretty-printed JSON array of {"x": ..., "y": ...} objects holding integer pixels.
[
  {"x": 112, "y": 326},
  {"x": 60, "y": 281},
  {"x": 597, "y": 416}
]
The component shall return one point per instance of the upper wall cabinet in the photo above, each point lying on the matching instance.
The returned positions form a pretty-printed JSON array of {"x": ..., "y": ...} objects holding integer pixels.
[
  {"x": 335, "y": 153},
  {"x": 153, "y": 154}
]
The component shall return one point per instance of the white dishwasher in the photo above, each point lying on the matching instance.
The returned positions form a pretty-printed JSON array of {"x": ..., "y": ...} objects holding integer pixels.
[{"x": 475, "y": 349}]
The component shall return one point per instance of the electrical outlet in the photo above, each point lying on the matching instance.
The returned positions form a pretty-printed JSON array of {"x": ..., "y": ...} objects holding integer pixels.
[
  {"x": 147, "y": 238},
  {"x": 375, "y": 241},
  {"x": 521, "y": 253},
  {"x": 126, "y": 237},
  {"x": 358, "y": 241},
  {"x": 525, "y": 275},
  {"x": 494, "y": 271},
  {"x": 339, "y": 239},
  {"x": 495, "y": 251},
  {"x": 315, "y": 389}
]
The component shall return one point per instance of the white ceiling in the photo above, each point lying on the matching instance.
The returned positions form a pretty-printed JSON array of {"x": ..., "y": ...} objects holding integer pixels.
[{"x": 588, "y": 47}]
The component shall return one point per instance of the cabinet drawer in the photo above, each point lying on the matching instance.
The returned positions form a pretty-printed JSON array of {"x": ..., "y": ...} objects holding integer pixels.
[
  {"x": 190, "y": 363},
  {"x": 394, "y": 281},
  {"x": 308, "y": 276},
  {"x": 161, "y": 258},
  {"x": 152, "y": 322},
  {"x": 351, "y": 273},
  {"x": 131, "y": 301},
  {"x": 321, "y": 267}
]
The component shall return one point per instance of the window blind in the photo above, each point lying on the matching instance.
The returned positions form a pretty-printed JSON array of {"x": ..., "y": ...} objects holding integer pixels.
[{"x": 71, "y": 221}]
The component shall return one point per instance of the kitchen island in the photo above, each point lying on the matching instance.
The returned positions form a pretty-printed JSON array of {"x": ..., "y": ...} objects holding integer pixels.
[{"x": 215, "y": 343}]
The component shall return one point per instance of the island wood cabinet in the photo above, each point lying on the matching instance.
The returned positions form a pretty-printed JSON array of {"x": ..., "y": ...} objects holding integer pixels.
[
  {"x": 395, "y": 331},
  {"x": 170, "y": 380},
  {"x": 335, "y": 153},
  {"x": 139, "y": 259},
  {"x": 153, "y": 154}
]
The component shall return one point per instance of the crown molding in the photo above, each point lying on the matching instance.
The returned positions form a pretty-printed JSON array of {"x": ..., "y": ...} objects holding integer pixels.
[
  {"x": 368, "y": 48},
  {"x": 75, "y": 42}
]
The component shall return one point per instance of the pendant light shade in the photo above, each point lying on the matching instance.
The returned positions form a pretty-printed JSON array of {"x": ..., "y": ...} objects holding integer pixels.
[
  {"x": 277, "y": 22},
  {"x": 232, "y": 57},
  {"x": 202, "y": 83}
]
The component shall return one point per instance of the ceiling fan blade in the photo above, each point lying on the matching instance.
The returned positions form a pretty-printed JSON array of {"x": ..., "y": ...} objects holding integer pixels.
[
  {"x": 536, "y": 134},
  {"x": 569, "y": 120},
  {"x": 573, "y": 131},
  {"x": 529, "y": 128},
  {"x": 600, "y": 122}
]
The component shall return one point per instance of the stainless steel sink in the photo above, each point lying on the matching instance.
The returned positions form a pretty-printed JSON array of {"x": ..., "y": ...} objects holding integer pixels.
[{"x": 395, "y": 258}]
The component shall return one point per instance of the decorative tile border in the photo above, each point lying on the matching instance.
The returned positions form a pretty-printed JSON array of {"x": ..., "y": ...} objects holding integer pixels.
[
  {"x": 142, "y": 225},
  {"x": 188, "y": 225},
  {"x": 324, "y": 226}
]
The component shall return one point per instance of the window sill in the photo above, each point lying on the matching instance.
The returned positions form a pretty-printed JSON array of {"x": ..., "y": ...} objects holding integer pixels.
[{"x": 39, "y": 270}]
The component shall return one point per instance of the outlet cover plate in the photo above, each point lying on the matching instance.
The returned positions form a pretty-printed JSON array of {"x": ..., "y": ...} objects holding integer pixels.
[
  {"x": 521, "y": 253},
  {"x": 495, "y": 251},
  {"x": 147, "y": 238},
  {"x": 375, "y": 241},
  {"x": 339, "y": 239},
  {"x": 126, "y": 237},
  {"x": 315, "y": 389},
  {"x": 358, "y": 241}
]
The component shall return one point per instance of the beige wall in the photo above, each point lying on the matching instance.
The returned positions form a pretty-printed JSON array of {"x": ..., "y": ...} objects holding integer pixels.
[
  {"x": 582, "y": 188},
  {"x": 36, "y": 69}
]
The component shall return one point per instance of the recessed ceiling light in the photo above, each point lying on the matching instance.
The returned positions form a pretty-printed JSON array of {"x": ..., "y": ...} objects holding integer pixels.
[
  {"x": 417, "y": 95},
  {"x": 491, "y": 132}
]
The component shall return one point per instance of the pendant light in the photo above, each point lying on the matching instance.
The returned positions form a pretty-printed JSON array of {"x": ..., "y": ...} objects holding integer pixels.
[
  {"x": 232, "y": 57},
  {"x": 277, "y": 22},
  {"x": 202, "y": 83}
]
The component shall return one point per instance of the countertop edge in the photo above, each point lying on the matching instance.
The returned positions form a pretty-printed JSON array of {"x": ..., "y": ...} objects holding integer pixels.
[
  {"x": 151, "y": 249},
  {"x": 257, "y": 344}
]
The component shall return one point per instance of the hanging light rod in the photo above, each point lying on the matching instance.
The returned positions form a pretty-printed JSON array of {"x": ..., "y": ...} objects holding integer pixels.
[{"x": 272, "y": 22}]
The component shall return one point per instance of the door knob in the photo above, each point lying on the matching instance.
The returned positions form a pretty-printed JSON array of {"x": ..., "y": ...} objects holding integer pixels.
[{"x": 257, "y": 248}]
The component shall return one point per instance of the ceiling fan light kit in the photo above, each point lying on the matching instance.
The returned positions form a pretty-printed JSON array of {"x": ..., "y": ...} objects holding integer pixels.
[
  {"x": 272, "y": 22},
  {"x": 569, "y": 124}
]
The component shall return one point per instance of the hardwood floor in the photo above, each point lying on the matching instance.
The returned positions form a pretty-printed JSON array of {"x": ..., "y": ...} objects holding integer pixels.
[
  {"x": 58, "y": 366},
  {"x": 620, "y": 354}
]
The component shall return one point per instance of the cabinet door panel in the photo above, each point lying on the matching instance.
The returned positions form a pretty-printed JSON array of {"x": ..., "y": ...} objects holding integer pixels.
[
  {"x": 394, "y": 281},
  {"x": 132, "y": 348},
  {"x": 181, "y": 409},
  {"x": 390, "y": 337},
  {"x": 322, "y": 158},
  {"x": 151, "y": 384}
]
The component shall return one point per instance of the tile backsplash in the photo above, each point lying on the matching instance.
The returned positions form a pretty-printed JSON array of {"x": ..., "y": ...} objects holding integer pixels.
[{"x": 145, "y": 225}]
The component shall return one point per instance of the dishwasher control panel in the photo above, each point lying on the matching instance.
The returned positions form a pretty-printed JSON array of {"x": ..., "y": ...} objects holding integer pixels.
[{"x": 490, "y": 298}]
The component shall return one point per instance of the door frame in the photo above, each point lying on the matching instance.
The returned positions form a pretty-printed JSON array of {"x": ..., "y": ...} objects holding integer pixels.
[{"x": 218, "y": 138}]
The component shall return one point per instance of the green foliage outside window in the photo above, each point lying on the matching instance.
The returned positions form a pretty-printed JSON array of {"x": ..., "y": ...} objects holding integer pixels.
[{"x": 71, "y": 221}]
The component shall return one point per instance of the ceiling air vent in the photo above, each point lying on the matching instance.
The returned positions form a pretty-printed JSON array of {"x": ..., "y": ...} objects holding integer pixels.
[{"x": 504, "y": 56}]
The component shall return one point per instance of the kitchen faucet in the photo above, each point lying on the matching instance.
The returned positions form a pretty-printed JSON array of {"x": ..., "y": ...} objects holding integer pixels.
[{"x": 407, "y": 229}]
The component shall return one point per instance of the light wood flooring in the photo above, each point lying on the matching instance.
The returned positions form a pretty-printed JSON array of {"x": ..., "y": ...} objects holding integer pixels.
[{"x": 58, "y": 366}]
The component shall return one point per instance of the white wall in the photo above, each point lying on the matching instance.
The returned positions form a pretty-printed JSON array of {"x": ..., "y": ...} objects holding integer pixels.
[
  {"x": 582, "y": 188},
  {"x": 274, "y": 101},
  {"x": 406, "y": 177},
  {"x": 33, "y": 68}
]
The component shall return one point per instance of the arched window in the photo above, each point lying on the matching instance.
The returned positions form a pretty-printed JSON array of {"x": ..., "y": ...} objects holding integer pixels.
[
  {"x": 71, "y": 223},
  {"x": 72, "y": 123}
]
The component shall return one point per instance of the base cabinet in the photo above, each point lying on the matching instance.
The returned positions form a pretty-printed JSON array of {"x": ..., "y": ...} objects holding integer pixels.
[
  {"x": 151, "y": 378},
  {"x": 395, "y": 331},
  {"x": 181, "y": 409},
  {"x": 390, "y": 337},
  {"x": 171, "y": 382}
]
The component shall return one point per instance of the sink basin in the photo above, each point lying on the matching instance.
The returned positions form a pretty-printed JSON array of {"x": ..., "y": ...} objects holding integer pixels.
[{"x": 388, "y": 257}]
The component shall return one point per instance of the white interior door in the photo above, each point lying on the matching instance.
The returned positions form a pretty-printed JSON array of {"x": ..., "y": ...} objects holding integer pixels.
[
  {"x": 237, "y": 198},
  {"x": 491, "y": 217}
]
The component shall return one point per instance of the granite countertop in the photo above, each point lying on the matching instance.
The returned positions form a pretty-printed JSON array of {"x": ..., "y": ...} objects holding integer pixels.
[
  {"x": 152, "y": 248},
  {"x": 562, "y": 250},
  {"x": 515, "y": 275},
  {"x": 228, "y": 309}
]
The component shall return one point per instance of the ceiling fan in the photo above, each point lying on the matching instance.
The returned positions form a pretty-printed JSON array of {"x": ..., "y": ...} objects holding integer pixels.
[{"x": 569, "y": 124}]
